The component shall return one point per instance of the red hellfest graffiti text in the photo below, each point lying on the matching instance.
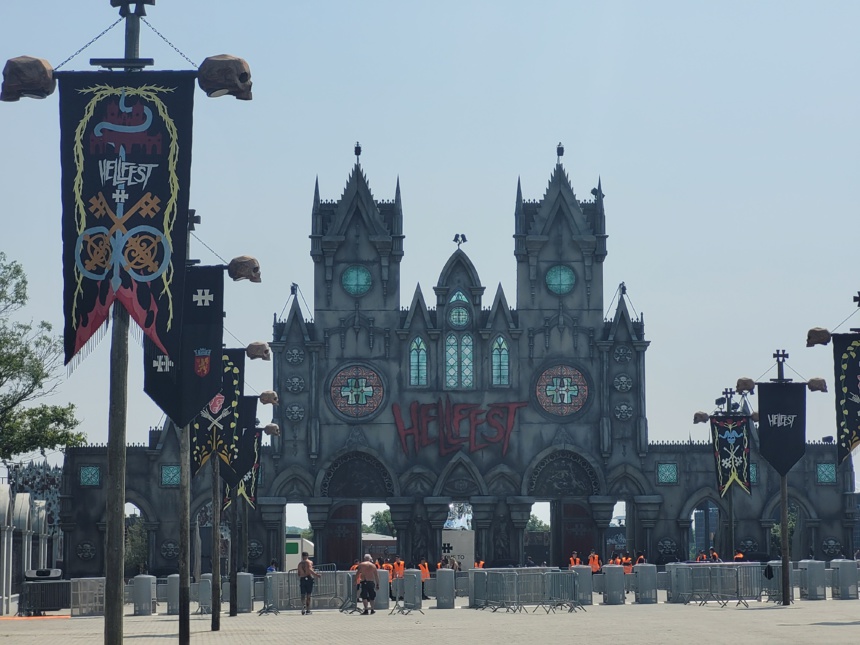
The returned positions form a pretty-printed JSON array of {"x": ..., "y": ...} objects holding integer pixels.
[{"x": 449, "y": 420}]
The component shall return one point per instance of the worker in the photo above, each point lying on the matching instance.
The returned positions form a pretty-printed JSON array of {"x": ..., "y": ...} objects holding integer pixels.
[
  {"x": 739, "y": 555},
  {"x": 714, "y": 556},
  {"x": 399, "y": 567},
  {"x": 594, "y": 561},
  {"x": 425, "y": 575},
  {"x": 702, "y": 556},
  {"x": 354, "y": 566},
  {"x": 627, "y": 562},
  {"x": 574, "y": 559},
  {"x": 479, "y": 564},
  {"x": 640, "y": 558}
]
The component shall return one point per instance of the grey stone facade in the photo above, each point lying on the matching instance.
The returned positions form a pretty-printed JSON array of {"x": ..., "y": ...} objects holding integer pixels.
[{"x": 460, "y": 397}]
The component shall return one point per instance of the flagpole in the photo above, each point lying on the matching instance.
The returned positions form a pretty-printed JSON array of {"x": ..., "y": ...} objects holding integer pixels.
[
  {"x": 184, "y": 535},
  {"x": 214, "y": 459},
  {"x": 781, "y": 355}
]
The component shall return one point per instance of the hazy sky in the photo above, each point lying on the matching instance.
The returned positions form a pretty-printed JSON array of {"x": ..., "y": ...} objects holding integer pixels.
[{"x": 725, "y": 135}]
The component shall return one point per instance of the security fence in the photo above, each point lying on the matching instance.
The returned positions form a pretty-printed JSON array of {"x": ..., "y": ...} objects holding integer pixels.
[{"x": 514, "y": 590}]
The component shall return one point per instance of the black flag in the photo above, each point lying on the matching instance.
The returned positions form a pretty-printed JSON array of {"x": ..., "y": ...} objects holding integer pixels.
[
  {"x": 846, "y": 363},
  {"x": 730, "y": 438},
  {"x": 183, "y": 384},
  {"x": 246, "y": 452},
  {"x": 782, "y": 423}
]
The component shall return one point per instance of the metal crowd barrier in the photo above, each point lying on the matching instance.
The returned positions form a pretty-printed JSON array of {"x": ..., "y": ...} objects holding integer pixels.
[
  {"x": 37, "y": 597},
  {"x": 720, "y": 582},
  {"x": 513, "y": 591},
  {"x": 88, "y": 597},
  {"x": 285, "y": 589}
]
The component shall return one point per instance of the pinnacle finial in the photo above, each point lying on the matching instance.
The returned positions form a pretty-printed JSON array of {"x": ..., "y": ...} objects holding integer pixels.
[
  {"x": 357, "y": 151},
  {"x": 559, "y": 150}
]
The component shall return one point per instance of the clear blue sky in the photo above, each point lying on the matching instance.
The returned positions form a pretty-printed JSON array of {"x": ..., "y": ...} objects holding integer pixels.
[{"x": 725, "y": 134}]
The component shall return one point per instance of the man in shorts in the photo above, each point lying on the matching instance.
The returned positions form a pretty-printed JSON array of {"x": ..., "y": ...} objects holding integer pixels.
[
  {"x": 307, "y": 575},
  {"x": 367, "y": 582}
]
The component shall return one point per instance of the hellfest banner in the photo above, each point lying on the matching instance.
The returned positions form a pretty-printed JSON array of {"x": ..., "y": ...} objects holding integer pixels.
[
  {"x": 183, "y": 384},
  {"x": 730, "y": 438},
  {"x": 125, "y": 153},
  {"x": 782, "y": 424},
  {"x": 846, "y": 348}
]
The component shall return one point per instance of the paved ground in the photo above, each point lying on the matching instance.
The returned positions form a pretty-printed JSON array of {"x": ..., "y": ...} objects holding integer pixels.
[{"x": 830, "y": 621}]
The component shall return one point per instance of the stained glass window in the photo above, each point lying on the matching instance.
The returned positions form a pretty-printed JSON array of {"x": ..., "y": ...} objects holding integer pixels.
[
  {"x": 826, "y": 473},
  {"x": 90, "y": 476},
  {"x": 170, "y": 475},
  {"x": 560, "y": 279},
  {"x": 356, "y": 280},
  {"x": 500, "y": 362},
  {"x": 753, "y": 473},
  {"x": 452, "y": 361},
  {"x": 466, "y": 372},
  {"x": 418, "y": 362},
  {"x": 458, "y": 297},
  {"x": 458, "y": 316},
  {"x": 667, "y": 473}
]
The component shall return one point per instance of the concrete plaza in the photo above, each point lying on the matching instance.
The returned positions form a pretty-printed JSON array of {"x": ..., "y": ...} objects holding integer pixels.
[{"x": 829, "y": 621}]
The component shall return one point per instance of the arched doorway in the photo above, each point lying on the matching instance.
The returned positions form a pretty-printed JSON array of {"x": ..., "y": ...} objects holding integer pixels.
[{"x": 705, "y": 529}]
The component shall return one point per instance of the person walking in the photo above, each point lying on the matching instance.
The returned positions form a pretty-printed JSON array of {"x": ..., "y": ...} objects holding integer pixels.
[
  {"x": 307, "y": 576},
  {"x": 367, "y": 582},
  {"x": 425, "y": 575}
]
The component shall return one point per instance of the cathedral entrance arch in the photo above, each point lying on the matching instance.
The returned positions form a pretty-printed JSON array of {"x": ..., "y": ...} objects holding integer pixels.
[
  {"x": 566, "y": 479},
  {"x": 357, "y": 475}
]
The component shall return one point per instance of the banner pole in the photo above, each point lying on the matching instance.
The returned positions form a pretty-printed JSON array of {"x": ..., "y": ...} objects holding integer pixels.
[
  {"x": 783, "y": 536},
  {"x": 214, "y": 459},
  {"x": 184, "y": 535}
]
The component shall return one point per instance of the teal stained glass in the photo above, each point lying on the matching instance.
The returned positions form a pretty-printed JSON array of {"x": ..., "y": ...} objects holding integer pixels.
[
  {"x": 458, "y": 317},
  {"x": 560, "y": 279},
  {"x": 466, "y": 372},
  {"x": 500, "y": 360},
  {"x": 458, "y": 297},
  {"x": 826, "y": 473},
  {"x": 356, "y": 280},
  {"x": 452, "y": 361},
  {"x": 170, "y": 475},
  {"x": 667, "y": 473},
  {"x": 90, "y": 476},
  {"x": 417, "y": 362},
  {"x": 753, "y": 473}
]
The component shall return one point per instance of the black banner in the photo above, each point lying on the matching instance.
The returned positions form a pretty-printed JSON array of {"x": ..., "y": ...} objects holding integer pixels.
[
  {"x": 125, "y": 152},
  {"x": 182, "y": 386},
  {"x": 243, "y": 472},
  {"x": 782, "y": 424},
  {"x": 846, "y": 348},
  {"x": 730, "y": 438},
  {"x": 215, "y": 430}
]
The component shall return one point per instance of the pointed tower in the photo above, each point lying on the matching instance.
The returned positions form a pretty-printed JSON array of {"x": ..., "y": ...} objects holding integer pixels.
[
  {"x": 356, "y": 246},
  {"x": 560, "y": 245}
]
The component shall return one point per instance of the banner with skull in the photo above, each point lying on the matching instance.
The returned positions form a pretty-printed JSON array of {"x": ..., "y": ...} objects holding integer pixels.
[
  {"x": 216, "y": 429},
  {"x": 730, "y": 438},
  {"x": 125, "y": 141},
  {"x": 846, "y": 363},
  {"x": 782, "y": 424},
  {"x": 182, "y": 384}
]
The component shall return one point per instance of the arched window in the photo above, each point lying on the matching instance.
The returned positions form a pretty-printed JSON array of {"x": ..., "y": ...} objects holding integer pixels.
[
  {"x": 499, "y": 354},
  {"x": 417, "y": 362},
  {"x": 459, "y": 361}
]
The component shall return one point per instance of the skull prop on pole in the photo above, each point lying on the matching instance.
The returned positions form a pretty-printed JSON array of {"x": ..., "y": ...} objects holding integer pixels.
[
  {"x": 244, "y": 267},
  {"x": 225, "y": 74},
  {"x": 27, "y": 77}
]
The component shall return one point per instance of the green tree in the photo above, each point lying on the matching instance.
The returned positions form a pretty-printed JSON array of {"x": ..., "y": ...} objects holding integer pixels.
[
  {"x": 29, "y": 359},
  {"x": 536, "y": 524},
  {"x": 136, "y": 547},
  {"x": 380, "y": 522}
]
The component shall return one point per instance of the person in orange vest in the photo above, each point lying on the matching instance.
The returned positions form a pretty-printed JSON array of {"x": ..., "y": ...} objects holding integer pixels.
[
  {"x": 627, "y": 562},
  {"x": 739, "y": 555},
  {"x": 399, "y": 567},
  {"x": 479, "y": 564},
  {"x": 594, "y": 561},
  {"x": 387, "y": 566},
  {"x": 425, "y": 575},
  {"x": 640, "y": 558},
  {"x": 702, "y": 557},
  {"x": 574, "y": 559},
  {"x": 715, "y": 557},
  {"x": 354, "y": 566}
]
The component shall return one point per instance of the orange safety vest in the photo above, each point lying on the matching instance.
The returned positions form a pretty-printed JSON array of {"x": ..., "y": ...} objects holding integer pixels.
[
  {"x": 399, "y": 568},
  {"x": 715, "y": 556},
  {"x": 594, "y": 562},
  {"x": 425, "y": 571},
  {"x": 640, "y": 559},
  {"x": 628, "y": 564},
  {"x": 387, "y": 566},
  {"x": 479, "y": 564},
  {"x": 701, "y": 558},
  {"x": 574, "y": 561},
  {"x": 739, "y": 556},
  {"x": 353, "y": 567}
]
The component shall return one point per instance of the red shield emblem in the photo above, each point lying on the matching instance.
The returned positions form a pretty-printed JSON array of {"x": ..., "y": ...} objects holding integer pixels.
[
  {"x": 201, "y": 365},
  {"x": 216, "y": 403}
]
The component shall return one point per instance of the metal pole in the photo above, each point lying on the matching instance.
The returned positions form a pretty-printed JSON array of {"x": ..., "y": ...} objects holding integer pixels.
[
  {"x": 214, "y": 459},
  {"x": 184, "y": 535},
  {"x": 115, "y": 507},
  {"x": 783, "y": 535},
  {"x": 234, "y": 552}
]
